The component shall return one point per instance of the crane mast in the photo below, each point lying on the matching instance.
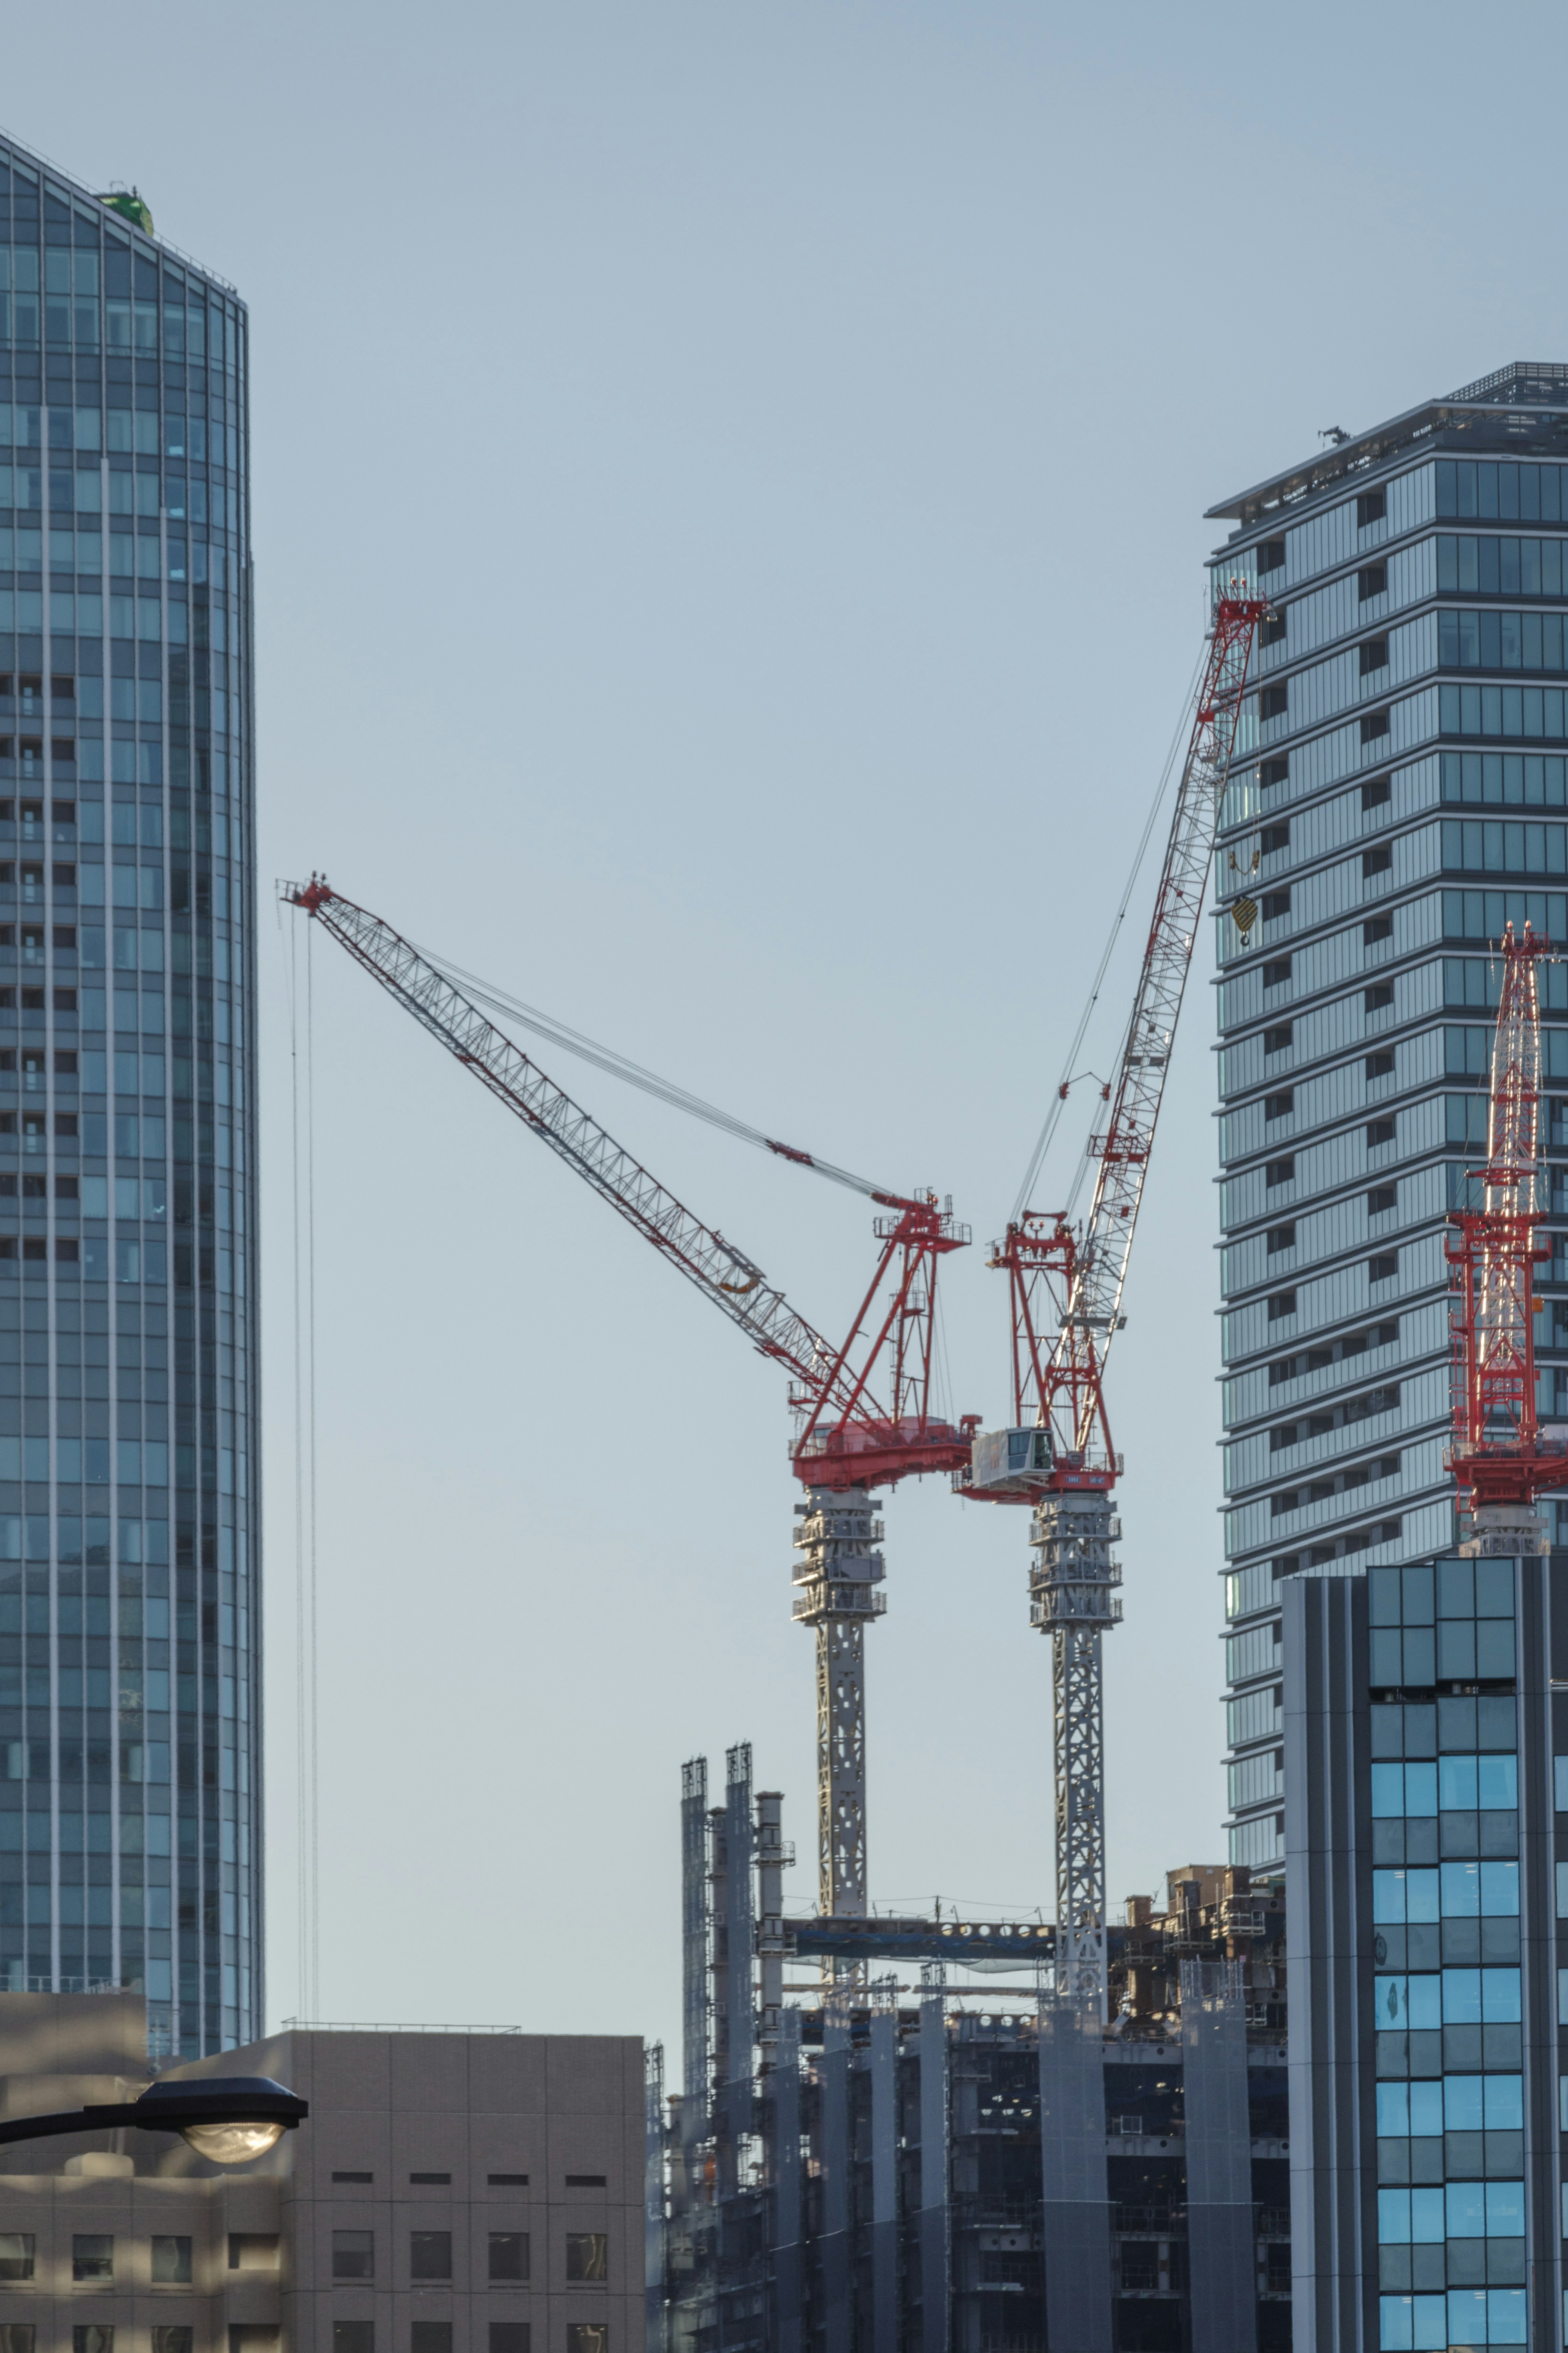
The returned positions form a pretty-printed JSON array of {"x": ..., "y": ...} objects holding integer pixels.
[
  {"x": 1066, "y": 1285},
  {"x": 849, "y": 1437},
  {"x": 1500, "y": 1457}
]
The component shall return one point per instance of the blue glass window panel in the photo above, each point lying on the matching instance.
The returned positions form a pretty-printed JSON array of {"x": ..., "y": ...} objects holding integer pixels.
[
  {"x": 1467, "y": 2209},
  {"x": 1391, "y": 2003},
  {"x": 1394, "y": 2318},
  {"x": 1494, "y": 1589},
  {"x": 1421, "y": 1789},
  {"x": 1559, "y": 1776},
  {"x": 1393, "y": 2218},
  {"x": 1388, "y": 1897},
  {"x": 1388, "y": 1790},
  {"x": 1425, "y": 2000},
  {"x": 1457, "y": 1784},
  {"x": 1499, "y": 1889},
  {"x": 1427, "y": 2218},
  {"x": 1425, "y": 2110},
  {"x": 1505, "y": 2316},
  {"x": 1394, "y": 2111},
  {"x": 1497, "y": 1780},
  {"x": 1505, "y": 2103},
  {"x": 1505, "y": 2210},
  {"x": 1500, "y": 1997},
  {"x": 1466, "y": 2316},
  {"x": 1461, "y": 1890},
  {"x": 1461, "y": 1997},
  {"x": 1462, "y": 2102}
]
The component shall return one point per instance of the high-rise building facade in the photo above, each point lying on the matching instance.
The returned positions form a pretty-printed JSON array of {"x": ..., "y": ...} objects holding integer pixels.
[
  {"x": 1400, "y": 794},
  {"x": 130, "y": 1795}
]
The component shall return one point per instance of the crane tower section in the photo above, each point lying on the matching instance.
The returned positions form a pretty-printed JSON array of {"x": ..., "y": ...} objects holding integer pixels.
[
  {"x": 1066, "y": 1284},
  {"x": 1499, "y": 1455}
]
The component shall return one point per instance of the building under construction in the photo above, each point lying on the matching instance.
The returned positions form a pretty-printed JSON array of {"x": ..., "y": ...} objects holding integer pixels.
[{"x": 894, "y": 2134}]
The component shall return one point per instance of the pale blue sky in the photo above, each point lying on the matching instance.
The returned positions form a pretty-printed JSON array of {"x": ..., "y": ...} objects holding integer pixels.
[{"x": 728, "y": 511}]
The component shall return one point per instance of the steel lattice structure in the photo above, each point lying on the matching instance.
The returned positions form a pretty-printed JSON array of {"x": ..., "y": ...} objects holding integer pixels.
[
  {"x": 1498, "y": 1452},
  {"x": 1066, "y": 1285},
  {"x": 848, "y": 1436}
]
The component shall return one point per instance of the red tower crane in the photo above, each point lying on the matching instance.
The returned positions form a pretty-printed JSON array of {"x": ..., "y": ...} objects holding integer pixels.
[
  {"x": 1497, "y": 1453},
  {"x": 849, "y": 1437},
  {"x": 1065, "y": 1286}
]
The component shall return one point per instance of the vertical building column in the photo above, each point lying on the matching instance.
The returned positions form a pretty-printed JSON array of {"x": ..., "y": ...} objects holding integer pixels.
[
  {"x": 935, "y": 2240},
  {"x": 694, "y": 2053},
  {"x": 884, "y": 2168},
  {"x": 785, "y": 2112},
  {"x": 833, "y": 2080},
  {"x": 740, "y": 1939},
  {"x": 771, "y": 1860},
  {"x": 656, "y": 2240},
  {"x": 716, "y": 2093},
  {"x": 1221, "y": 2242},
  {"x": 837, "y": 1577},
  {"x": 1075, "y": 2209},
  {"x": 1541, "y": 1672},
  {"x": 1333, "y": 2234}
]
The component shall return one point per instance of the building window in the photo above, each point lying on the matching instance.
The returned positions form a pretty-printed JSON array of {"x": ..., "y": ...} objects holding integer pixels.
[
  {"x": 508, "y": 2254},
  {"x": 587, "y": 2255},
  {"x": 17, "y": 2337},
  {"x": 1382, "y": 1198},
  {"x": 253, "y": 2250},
  {"x": 1371, "y": 580},
  {"x": 587, "y": 2182},
  {"x": 1384, "y": 1268},
  {"x": 1273, "y": 702},
  {"x": 1380, "y": 1065},
  {"x": 1282, "y": 1304},
  {"x": 353, "y": 2254},
  {"x": 171, "y": 2263},
  {"x": 430, "y": 2337},
  {"x": 92, "y": 2258},
  {"x": 1281, "y": 1238},
  {"x": 1281, "y": 1105},
  {"x": 177, "y": 2339},
  {"x": 1376, "y": 930},
  {"x": 1370, "y": 508},
  {"x": 353, "y": 2336},
  {"x": 1280, "y": 1172},
  {"x": 1274, "y": 772},
  {"x": 430, "y": 2254},
  {"x": 1375, "y": 794},
  {"x": 1374, "y": 656},
  {"x": 1375, "y": 727},
  {"x": 1276, "y": 1041},
  {"x": 587, "y": 2336},
  {"x": 431, "y": 2180},
  {"x": 1275, "y": 837},
  {"x": 1379, "y": 1132},
  {"x": 16, "y": 2250},
  {"x": 95, "y": 2337},
  {"x": 507, "y": 2180},
  {"x": 1271, "y": 555},
  {"x": 1277, "y": 972},
  {"x": 1274, "y": 629},
  {"x": 1378, "y": 997},
  {"x": 508, "y": 2336},
  {"x": 1376, "y": 861},
  {"x": 353, "y": 2176},
  {"x": 1276, "y": 903}
]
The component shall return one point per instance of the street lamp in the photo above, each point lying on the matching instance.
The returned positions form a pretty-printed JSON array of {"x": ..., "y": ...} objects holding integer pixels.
[{"x": 228, "y": 2119}]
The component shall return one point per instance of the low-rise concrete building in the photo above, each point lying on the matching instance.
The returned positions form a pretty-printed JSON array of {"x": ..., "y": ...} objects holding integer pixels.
[{"x": 452, "y": 2192}]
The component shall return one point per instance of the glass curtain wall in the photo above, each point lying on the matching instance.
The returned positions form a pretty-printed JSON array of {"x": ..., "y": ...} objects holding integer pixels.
[{"x": 129, "y": 1822}]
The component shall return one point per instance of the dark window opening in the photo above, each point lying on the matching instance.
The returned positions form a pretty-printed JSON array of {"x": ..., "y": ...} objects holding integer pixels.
[
  {"x": 1273, "y": 702},
  {"x": 1376, "y": 861},
  {"x": 1378, "y": 997},
  {"x": 1281, "y": 1238},
  {"x": 1274, "y": 772},
  {"x": 508, "y": 2254},
  {"x": 433, "y": 2181},
  {"x": 1275, "y": 837},
  {"x": 1276, "y": 903},
  {"x": 1384, "y": 1268},
  {"x": 1273, "y": 628},
  {"x": 1371, "y": 507},
  {"x": 1379, "y": 1132},
  {"x": 1277, "y": 972},
  {"x": 1281, "y": 1105},
  {"x": 1376, "y": 929},
  {"x": 1377, "y": 794},
  {"x": 1282, "y": 1304},
  {"x": 1381, "y": 1200},
  {"x": 1380, "y": 1065},
  {"x": 1270, "y": 555},
  {"x": 1374, "y": 656},
  {"x": 430, "y": 2254},
  {"x": 1275, "y": 1041},
  {"x": 1374, "y": 726},
  {"x": 587, "y": 2255},
  {"x": 1372, "y": 580},
  {"x": 1280, "y": 1172}
]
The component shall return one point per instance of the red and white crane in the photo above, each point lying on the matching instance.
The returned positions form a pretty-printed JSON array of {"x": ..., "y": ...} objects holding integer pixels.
[
  {"x": 850, "y": 1436},
  {"x": 1066, "y": 1283},
  {"x": 1498, "y": 1453}
]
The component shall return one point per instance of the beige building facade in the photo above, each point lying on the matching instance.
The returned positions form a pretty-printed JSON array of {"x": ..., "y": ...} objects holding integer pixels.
[{"x": 451, "y": 2193}]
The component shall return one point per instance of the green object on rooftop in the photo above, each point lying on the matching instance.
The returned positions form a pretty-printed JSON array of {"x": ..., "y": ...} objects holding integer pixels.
[{"x": 130, "y": 206}]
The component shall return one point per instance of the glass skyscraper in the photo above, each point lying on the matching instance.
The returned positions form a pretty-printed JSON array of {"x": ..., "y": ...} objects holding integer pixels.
[
  {"x": 1399, "y": 795},
  {"x": 129, "y": 1793}
]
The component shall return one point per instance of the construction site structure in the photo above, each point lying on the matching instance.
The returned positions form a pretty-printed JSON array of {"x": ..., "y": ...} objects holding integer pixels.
[
  {"x": 1066, "y": 1284},
  {"x": 937, "y": 2161},
  {"x": 850, "y": 1437},
  {"x": 1499, "y": 1455}
]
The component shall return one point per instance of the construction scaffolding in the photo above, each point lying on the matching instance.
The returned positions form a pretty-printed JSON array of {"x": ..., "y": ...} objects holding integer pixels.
[{"x": 882, "y": 2163}]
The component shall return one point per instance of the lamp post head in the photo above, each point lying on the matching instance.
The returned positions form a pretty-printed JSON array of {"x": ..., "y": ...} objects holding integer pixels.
[{"x": 228, "y": 2119}]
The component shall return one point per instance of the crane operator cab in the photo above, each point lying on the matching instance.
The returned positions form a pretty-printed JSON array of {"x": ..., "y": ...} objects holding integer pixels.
[{"x": 1014, "y": 1460}]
